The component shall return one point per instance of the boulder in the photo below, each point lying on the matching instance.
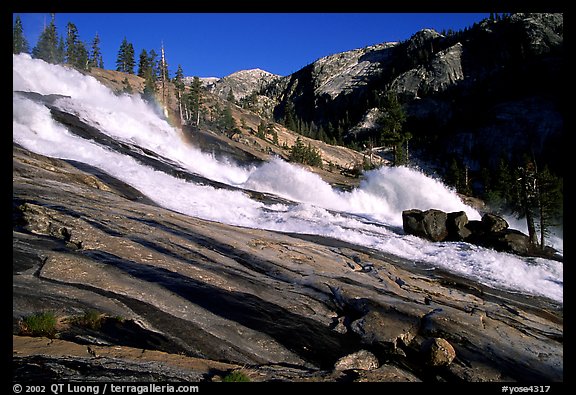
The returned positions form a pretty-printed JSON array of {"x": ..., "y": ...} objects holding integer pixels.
[
  {"x": 438, "y": 352},
  {"x": 429, "y": 224},
  {"x": 386, "y": 329},
  {"x": 456, "y": 226},
  {"x": 361, "y": 360},
  {"x": 494, "y": 223},
  {"x": 490, "y": 232}
]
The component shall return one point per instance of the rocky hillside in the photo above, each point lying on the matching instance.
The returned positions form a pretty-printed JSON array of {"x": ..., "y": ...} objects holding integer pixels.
[
  {"x": 241, "y": 83},
  {"x": 492, "y": 90}
]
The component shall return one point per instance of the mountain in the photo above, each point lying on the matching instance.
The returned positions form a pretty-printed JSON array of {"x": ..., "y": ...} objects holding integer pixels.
[
  {"x": 241, "y": 83},
  {"x": 491, "y": 91}
]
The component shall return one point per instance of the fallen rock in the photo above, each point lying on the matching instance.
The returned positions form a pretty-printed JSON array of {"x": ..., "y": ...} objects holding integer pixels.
[
  {"x": 438, "y": 352},
  {"x": 362, "y": 360},
  {"x": 386, "y": 328}
]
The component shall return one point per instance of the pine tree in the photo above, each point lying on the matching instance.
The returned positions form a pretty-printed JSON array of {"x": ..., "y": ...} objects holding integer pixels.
[
  {"x": 125, "y": 59},
  {"x": 143, "y": 64},
  {"x": 193, "y": 101},
  {"x": 550, "y": 202},
  {"x": 130, "y": 63},
  {"x": 19, "y": 43},
  {"x": 71, "y": 42},
  {"x": 76, "y": 52},
  {"x": 230, "y": 96},
  {"x": 82, "y": 57},
  {"x": 96, "y": 55},
  {"x": 47, "y": 46},
  {"x": 61, "y": 51},
  {"x": 149, "y": 85},
  {"x": 226, "y": 121},
  {"x": 152, "y": 55},
  {"x": 179, "y": 85},
  {"x": 305, "y": 154},
  {"x": 391, "y": 124}
]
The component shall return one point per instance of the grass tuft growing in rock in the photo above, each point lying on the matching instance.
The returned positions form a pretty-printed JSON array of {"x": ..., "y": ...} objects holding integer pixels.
[
  {"x": 39, "y": 324},
  {"x": 91, "y": 319},
  {"x": 236, "y": 376}
]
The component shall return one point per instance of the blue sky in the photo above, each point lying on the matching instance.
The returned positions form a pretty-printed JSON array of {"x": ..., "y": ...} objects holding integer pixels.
[{"x": 218, "y": 44}]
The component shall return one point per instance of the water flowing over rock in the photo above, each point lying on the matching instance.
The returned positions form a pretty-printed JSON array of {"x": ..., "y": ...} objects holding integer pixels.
[{"x": 189, "y": 299}]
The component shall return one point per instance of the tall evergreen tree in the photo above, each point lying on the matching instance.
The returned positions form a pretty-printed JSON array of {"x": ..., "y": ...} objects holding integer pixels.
[
  {"x": 391, "y": 124},
  {"x": 76, "y": 52},
  {"x": 550, "y": 202},
  {"x": 47, "y": 46},
  {"x": 71, "y": 43},
  {"x": 19, "y": 43},
  {"x": 194, "y": 101},
  {"x": 149, "y": 85},
  {"x": 130, "y": 63},
  {"x": 143, "y": 64},
  {"x": 61, "y": 51},
  {"x": 179, "y": 85},
  {"x": 96, "y": 55},
  {"x": 230, "y": 96},
  {"x": 152, "y": 55},
  {"x": 82, "y": 57},
  {"x": 125, "y": 59},
  {"x": 226, "y": 120}
]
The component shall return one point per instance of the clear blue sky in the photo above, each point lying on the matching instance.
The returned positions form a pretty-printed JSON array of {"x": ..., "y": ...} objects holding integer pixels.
[{"x": 218, "y": 44}]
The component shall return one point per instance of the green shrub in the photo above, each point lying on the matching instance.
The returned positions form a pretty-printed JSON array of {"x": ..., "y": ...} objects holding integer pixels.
[
  {"x": 91, "y": 319},
  {"x": 39, "y": 324},
  {"x": 236, "y": 376}
]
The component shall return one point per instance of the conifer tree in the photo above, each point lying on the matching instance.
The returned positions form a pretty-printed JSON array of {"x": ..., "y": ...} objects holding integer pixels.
[
  {"x": 71, "y": 42},
  {"x": 194, "y": 101},
  {"x": 143, "y": 64},
  {"x": 19, "y": 43},
  {"x": 125, "y": 59},
  {"x": 550, "y": 202},
  {"x": 152, "y": 55},
  {"x": 391, "y": 124},
  {"x": 230, "y": 96},
  {"x": 226, "y": 121},
  {"x": 179, "y": 85},
  {"x": 76, "y": 52},
  {"x": 149, "y": 85},
  {"x": 47, "y": 46},
  {"x": 61, "y": 51},
  {"x": 96, "y": 55},
  {"x": 130, "y": 59}
]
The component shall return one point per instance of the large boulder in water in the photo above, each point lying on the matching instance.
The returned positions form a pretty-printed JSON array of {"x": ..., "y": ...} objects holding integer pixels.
[
  {"x": 490, "y": 232},
  {"x": 429, "y": 224},
  {"x": 456, "y": 225}
]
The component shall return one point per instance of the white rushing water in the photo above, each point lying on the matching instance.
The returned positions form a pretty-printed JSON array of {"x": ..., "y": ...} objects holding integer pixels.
[{"x": 369, "y": 215}]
